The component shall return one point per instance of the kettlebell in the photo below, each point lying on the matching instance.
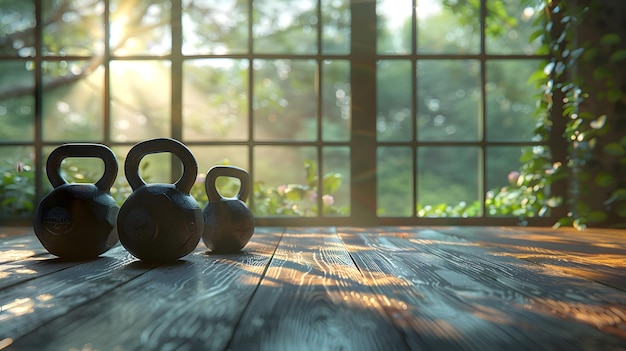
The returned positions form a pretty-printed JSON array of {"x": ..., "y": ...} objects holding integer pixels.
[
  {"x": 160, "y": 222},
  {"x": 228, "y": 223},
  {"x": 77, "y": 221}
]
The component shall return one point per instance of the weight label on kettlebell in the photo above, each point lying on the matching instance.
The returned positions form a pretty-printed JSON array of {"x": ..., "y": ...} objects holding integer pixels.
[
  {"x": 141, "y": 224},
  {"x": 58, "y": 221}
]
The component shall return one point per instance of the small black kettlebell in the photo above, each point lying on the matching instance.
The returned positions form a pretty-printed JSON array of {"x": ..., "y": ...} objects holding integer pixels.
[
  {"x": 228, "y": 223},
  {"x": 77, "y": 221},
  {"x": 160, "y": 222}
]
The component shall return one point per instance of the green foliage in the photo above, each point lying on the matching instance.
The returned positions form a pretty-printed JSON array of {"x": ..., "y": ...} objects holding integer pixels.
[
  {"x": 584, "y": 74},
  {"x": 587, "y": 72},
  {"x": 17, "y": 192},
  {"x": 299, "y": 199}
]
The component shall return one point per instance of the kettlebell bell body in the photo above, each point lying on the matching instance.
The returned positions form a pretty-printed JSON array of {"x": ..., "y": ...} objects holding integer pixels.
[
  {"x": 77, "y": 221},
  {"x": 160, "y": 222},
  {"x": 228, "y": 223}
]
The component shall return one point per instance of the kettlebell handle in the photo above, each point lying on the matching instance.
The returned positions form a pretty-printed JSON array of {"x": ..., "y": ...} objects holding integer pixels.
[
  {"x": 227, "y": 171},
  {"x": 158, "y": 145},
  {"x": 53, "y": 165}
]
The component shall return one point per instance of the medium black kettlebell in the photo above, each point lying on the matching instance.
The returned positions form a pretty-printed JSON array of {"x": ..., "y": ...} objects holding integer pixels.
[
  {"x": 77, "y": 221},
  {"x": 160, "y": 222},
  {"x": 228, "y": 223}
]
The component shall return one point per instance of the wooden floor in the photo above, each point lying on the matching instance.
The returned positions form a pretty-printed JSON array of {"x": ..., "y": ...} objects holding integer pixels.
[{"x": 400, "y": 288}]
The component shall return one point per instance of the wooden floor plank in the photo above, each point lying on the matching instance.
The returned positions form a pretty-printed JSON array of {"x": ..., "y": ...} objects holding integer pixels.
[
  {"x": 11, "y": 232},
  {"x": 32, "y": 303},
  {"x": 191, "y": 305},
  {"x": 22, "y": 245},
  {"x": 594, "y": 254},
  {"x": 448, "y": 293},
  {"x": 16, "y": 272},
  {"x": 312, "y": 297},
  {"x": 22, "y": 258}
]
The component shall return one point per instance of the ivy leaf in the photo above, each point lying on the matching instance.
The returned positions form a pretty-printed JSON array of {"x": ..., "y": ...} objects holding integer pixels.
[
  {"x": 331, "y": 182},
  {"x": 554, "y": 201},
  {"x": 597, "y": 216},
  {"x": 295, "y": 192},
  {"x": 603, "y": 179},
  {"x": 610, "y": 39},
  {"x": 538, "y": 77},
  {"x": 601, "y": 73},
  {"x": 617, "y": 195},
  {"x": 614, "y": 95},
  {"x": 536, "y": 34},
  {"x": 311, "y": 175},
  {"x": 614, "y": 149},
  {"x": 617, "y": 56},
  {"x": 598, "y": 123},
  {"x": 621, "y": 209},
  {"x": 579, "y": 224}
]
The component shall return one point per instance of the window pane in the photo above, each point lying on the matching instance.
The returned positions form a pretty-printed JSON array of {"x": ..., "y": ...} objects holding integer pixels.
[
  {"x": 140, "y": 28},
  {"x": 501, "y": 161},
  {"x": 72, "y": 106},
  {"x": 505, "y": 195},
  {"x": 89, "y": 170},
  {"x": 393, "y": 24},
  {"x": 394, "y": 182},
  {"x": 448, "y": 181},
  {"x": 283, "y": 26},
  {"x": 73, "y": 27},
  {"x": 509, "y": 25},
  {"x": 336, "y": 21},
  {"x": 17, "y": 104},
  {"x": 336, "y": 181},
  {"x": 81, "y": 169},
  {"x": 209, "y": 156},
  {"x": 285, "y": 181},
  {"x": 153, "y": 168},
  {"x": 17, "y": 28},
  {"x": 17, "y": 188},
  {"x": 448, "y": 27},
  {"x": 393, "y": 100},
  {"x": 448, "y": 100},
  {"x": 336, "y": 100},
  {"x": 511, "y": 100},
  {"x": 215, "y": 99},
  {"x": 140, "y": 100},
  {"x": 86, "y": 170},
  {"x": 215, "y": 27},
  {"x": 285, "y": 99},
  {"x": 502, "y": 166}
]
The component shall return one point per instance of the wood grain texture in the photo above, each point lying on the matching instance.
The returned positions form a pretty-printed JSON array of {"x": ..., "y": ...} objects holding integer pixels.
[
  {"x": 312, "y": 297},
  {"x": 32, "y": 303},
  {"x": 20, "y": 245},
  {"x": 598, "y": 255},
  {"x": 193, "y": 304},
  {"x": 452, "y": 294},
  {"x": 393, "y": 288}
]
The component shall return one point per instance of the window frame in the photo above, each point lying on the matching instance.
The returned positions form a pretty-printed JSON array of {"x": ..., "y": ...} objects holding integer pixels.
[{"x": 362, "y": 144}]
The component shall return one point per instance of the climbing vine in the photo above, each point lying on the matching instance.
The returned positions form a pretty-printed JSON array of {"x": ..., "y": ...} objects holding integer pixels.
[{"x": 586, "y": 53}]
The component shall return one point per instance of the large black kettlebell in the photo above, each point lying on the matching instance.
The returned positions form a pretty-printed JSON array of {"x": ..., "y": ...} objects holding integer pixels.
[
  {"x": 77, "y": 221},
  {"x": 160, "y": 222},
  {"x": 228, "y": 223}
]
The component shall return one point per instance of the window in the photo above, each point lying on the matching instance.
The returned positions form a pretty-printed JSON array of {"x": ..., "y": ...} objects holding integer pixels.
[{"x": 416, "y": 119}]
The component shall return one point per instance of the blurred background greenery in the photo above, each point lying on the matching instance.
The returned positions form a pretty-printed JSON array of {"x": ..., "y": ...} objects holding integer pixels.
[{"x": 290, "y": 98}]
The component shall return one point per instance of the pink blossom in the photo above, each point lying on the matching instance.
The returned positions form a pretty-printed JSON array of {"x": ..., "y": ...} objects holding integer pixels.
[
  {"x": 328, "y": 200},
  {"x": 513, "y": 177},
  {"x": 281, "y": 189}
]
